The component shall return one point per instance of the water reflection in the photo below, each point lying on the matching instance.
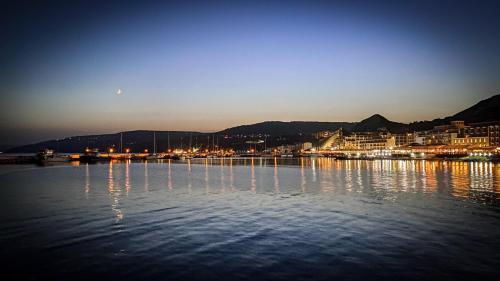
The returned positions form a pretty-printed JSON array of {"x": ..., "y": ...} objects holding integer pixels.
[
  {"x": 473, "y": 180},
  {"x": 169, "y": 175},
  {"x": 231, "y": 176},
  {"x": 385, "y": 179},
  {"x": 146, "y": 176},
  {"x": 302, "y": 174},
  {"x": 222, "y": 181},
  {"x": 253, "y": 184},
  {"x": 190, "y": 182},
  {"x": 115, "y": 193},
  {"x": 315, "y": 210},
  {"x": 87, "y": 181},
  {"x": 127, "y": 176},
  {"x": 207, "y": 184}
]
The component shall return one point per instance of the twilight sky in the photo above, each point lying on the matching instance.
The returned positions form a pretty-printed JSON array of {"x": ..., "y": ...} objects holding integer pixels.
[{"x": 210, "y": 65}]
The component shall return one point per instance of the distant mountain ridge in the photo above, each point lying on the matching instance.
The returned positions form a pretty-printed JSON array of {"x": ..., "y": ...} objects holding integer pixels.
[
  {"x": 135, "y": 140},
  {"x": 483, "y": 111},
  {"x": 286, "y": 128},
  {"x": 276, "y": 132}
]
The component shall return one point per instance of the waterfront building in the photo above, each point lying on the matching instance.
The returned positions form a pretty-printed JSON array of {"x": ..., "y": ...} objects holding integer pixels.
[
  {"x": 369, "y": 141},
  {"x": 445, "y": 138},
  {"x": 403, "y": 139},
  {"x": 489, "y": 130},
  {"x": 419, "y": 139},
  {"x": 307, "y": 146},
  {"x": 333, "y": 140},
  {"x": 444, "y": 134},
  {"x": 475, "y": 141},
  {"x": 286, "y": 148}
]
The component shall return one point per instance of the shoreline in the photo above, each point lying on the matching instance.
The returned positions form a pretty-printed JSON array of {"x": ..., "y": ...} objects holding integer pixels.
[{"x": 32, "y": 159}]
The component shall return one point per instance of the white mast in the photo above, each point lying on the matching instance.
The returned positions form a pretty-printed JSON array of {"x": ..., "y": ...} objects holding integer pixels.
[
  {"x": 168, "y": 141},
  {"x": 154, "y": 142}
]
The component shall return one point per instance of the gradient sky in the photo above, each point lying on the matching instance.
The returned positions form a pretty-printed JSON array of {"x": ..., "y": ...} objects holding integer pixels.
[{"x": 210, "y": 65}]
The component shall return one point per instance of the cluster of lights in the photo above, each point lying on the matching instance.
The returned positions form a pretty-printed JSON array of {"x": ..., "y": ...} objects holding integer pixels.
[
  {"x": 480, "y": 154},
  {"x": 383, "y": 153}
]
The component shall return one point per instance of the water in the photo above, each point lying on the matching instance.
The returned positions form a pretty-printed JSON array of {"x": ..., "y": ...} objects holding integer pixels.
[{"x": 260, "y": 219}]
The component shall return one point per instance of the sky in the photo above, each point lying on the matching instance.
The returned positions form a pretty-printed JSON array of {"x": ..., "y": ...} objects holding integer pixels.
[{"x": 209, "y": 65}]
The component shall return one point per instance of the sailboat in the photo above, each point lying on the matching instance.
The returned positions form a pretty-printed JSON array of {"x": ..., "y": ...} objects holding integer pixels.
[{"x": 153, "y": 156}]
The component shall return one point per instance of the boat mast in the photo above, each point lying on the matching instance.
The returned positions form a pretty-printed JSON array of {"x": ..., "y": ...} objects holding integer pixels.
[
  {"x": 190, "y": 141},
  {"x": 154, "y": 142},
  {"x": 168, "y": 141},
  {"x": 121, "y": 142}
]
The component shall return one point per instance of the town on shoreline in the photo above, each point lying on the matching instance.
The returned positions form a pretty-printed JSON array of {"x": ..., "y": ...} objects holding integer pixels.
[{"x": 454, "y": 141}]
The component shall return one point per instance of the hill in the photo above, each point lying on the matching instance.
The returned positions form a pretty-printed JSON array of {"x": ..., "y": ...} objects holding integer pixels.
[
  {"x": 377, "y": 121},
  {"x": 483, "y": 111},
  {"x": 279, "y": 128},
  {"x": 135, "y": 140}
]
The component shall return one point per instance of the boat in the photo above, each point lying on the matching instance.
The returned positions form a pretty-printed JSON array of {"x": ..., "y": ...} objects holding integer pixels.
[
  {"x": 154, "y": 156},
  {"x": 340, "y": 157},
  {"x": 90, "y": 155},
  {"x": 178, "y": 157},
  {"x": 49, "y": 156}
]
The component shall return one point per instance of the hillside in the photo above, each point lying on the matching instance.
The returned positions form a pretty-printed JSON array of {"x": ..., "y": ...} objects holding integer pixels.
[
  {"x": 377, "y": 121},
  {"x": 278, "y": 128},
  {"x": 135, "y": 140},
  {"x": 483, "y": 111}
]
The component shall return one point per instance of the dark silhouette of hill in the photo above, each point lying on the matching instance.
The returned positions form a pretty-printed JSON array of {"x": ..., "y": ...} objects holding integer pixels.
[
  {"x": 376, "y": 122},
  {"x": 279, "y": 128},
  {"x": 483, "y": 111},
  {"x": 137, "y": 141}
]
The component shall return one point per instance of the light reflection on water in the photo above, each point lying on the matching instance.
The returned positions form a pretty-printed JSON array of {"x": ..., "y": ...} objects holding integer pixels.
[
  {"x": 472, "y": 180},
  {"x": 247, "y": 219},
  {"x": 478, "y": 181}
]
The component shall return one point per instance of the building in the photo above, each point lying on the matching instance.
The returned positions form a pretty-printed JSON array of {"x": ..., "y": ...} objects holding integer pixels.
[
  {"x": 307, "y": 146},
  {"x": 333, "y": 141},
  {"x": 474, "y": 141},
  {"x": 479, "y": 134},
  {"x": 286, "y": 149},
  {"x": 441, "y": 135},
  {"x": 403, "y": 139},
  {"x": 325, "y": 134},
  {"x": 369, "y": 141}
]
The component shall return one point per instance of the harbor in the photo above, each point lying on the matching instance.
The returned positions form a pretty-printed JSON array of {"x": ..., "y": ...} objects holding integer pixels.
[{"x": 92, "y": 156}]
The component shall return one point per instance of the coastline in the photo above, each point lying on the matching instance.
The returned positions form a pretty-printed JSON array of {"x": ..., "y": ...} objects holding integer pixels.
[{"x": 13, "y": 159}]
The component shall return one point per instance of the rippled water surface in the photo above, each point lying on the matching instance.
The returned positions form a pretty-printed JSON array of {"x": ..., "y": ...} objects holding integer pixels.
[{"x": 252, "y": 219}]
